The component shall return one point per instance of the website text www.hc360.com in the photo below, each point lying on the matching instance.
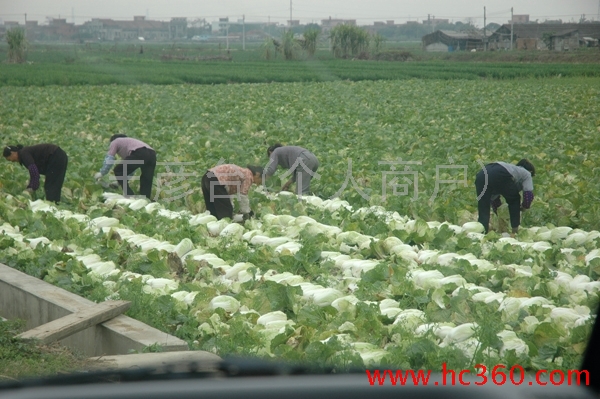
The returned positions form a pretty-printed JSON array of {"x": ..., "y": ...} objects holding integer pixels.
[{"x": 499, "y": 375}]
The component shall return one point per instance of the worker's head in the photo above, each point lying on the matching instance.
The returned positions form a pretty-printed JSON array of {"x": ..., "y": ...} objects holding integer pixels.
[
  {"x": 272, "y": 148},
  {"x": 257, "y": 174},
  {"x": 117, "y": 136},
  {"x": 11, "y": 152},
  {"x": 524, "y": 163}
]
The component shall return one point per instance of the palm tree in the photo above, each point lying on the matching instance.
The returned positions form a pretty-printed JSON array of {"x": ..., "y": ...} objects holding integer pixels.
[
  {"x": 378, "y": 42},
  {"x": 270, "y": 47},
  {"x": 289, "y": 45},
  {"x": 348, "y": 40},
  {"x": 17, "y": 45},
  {"x": 309, "y": 44}
]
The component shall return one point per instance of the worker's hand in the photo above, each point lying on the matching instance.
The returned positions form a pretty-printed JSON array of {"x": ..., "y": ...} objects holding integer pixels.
[
  {"x": 247, "y": 216},
  {"x": 98, "y": 176}
]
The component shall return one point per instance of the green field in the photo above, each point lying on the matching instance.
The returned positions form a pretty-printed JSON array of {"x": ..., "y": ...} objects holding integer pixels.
[
  {"x": 80, "y": 64},
  {"x": 445, "y": 118},
  {"x": 553, "y": 122}
]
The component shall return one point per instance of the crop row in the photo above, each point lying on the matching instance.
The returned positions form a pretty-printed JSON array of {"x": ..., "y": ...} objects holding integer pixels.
[{"x": 242, "y": 289}]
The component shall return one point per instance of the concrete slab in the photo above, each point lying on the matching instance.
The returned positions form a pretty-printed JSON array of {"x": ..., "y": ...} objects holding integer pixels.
[
  {"x": 38, "y": 302},
  {"x": 173, "y": 361},
  {"x": 75, "y": 322}
]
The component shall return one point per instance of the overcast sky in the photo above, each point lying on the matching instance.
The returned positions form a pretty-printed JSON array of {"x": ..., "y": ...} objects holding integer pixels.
[{"x": 364, "y": 11}]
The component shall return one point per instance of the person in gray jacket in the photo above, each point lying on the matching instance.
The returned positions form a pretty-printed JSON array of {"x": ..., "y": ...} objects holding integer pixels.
[
  {"x": 301, "y": 164},
  {"x": 507, "y": 180}
]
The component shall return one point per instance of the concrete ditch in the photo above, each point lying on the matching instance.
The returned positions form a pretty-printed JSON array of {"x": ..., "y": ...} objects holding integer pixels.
[{"x": 38, "y": 302}]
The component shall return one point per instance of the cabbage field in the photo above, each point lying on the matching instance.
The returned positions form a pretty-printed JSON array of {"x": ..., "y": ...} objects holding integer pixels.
[{"x": 355, "y": 275}]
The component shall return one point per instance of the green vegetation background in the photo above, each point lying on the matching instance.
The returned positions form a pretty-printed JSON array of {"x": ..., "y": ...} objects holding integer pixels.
[{"x": 211, "y": 63}]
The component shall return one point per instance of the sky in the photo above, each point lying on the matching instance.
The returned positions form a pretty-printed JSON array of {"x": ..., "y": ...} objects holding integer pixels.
[{"x": 307, "y": 11}]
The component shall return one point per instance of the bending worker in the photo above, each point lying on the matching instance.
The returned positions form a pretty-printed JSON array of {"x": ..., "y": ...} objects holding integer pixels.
[
  {"x": 41, "y": 159},
  {"x": 301, "y": 164},
  {"x": 507, "y": 180},
  {"x": 135, "y": 154}
]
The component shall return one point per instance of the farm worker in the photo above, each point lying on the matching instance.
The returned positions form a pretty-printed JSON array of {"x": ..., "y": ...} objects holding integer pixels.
[
  {"x": 221, "y": 183},
  {"x": 301, "y": 164},
  {"x": 135, "y": 154},
  {"x": 507, "y": 180},
  {"x": 41, "y": 159}
]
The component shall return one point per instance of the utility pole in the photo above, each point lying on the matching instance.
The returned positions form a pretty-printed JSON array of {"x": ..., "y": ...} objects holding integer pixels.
[
  {"x": 290, "y": 14},
  {"x": 244, "y": 32},
  {"x": 512, "y": 22},
  {"x": 484, "y": 32},
  {"x": 25, "y": 25}
]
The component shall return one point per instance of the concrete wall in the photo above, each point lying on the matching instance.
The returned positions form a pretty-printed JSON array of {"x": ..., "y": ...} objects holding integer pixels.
[
  {"x": 530, "y": 44},
  {"x": 37, "y": 302},
  {"x": 565, "y": 43},
  {"x": 437, "y": 47}
]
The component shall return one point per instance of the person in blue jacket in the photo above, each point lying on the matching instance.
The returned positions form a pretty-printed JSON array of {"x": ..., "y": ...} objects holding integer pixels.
[{"x": 507, "y": 180}]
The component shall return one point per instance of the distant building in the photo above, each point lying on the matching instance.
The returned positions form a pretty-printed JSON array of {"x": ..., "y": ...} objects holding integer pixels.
[
  {"x": 328, "y": 24},
  {"x": 565, "y": 41},
  {"x": 178, "y": 27},
  {"x": 60, "y": 29},
  {"x": 443, "y": 40},
  {"x": 34, "y": 30},
  {"x": 293, "y": 22},
  {"x": 380, "y": 24},
  {"x": 520, "y": 19},
  {"x": 435, "y": 21},
  {"x": 221, "y": 25},
  {"x": 140, "y": 27},
  {"x": 590, "y": 41},
  {"x": 531, "y": 36}
]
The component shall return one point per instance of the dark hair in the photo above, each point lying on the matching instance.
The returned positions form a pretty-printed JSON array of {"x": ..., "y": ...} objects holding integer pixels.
[
  {"x": 117, "y": 136},
  {"x": 256, "y": 169},
  {"x": 524, "y": 163},
  {"x": 11, "y": 148},
  {"x": 272, "y": 148}
]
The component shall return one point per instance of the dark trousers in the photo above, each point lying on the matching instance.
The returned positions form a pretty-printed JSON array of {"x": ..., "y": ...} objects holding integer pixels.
[
  {"x": 220, "y": 207},
  {"x": 147, "y": 166},
  {"x": 55, "y": 174},
  {"x": 498, "y": 182}
]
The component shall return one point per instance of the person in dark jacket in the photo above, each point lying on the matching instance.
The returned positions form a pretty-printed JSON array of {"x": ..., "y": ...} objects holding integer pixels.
[
  {"x": 41, "y": 159},
  {"x": 506, "y": 180},
  {"x": 135, "y": 154},
  {"x": 301, "y": 164}
]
